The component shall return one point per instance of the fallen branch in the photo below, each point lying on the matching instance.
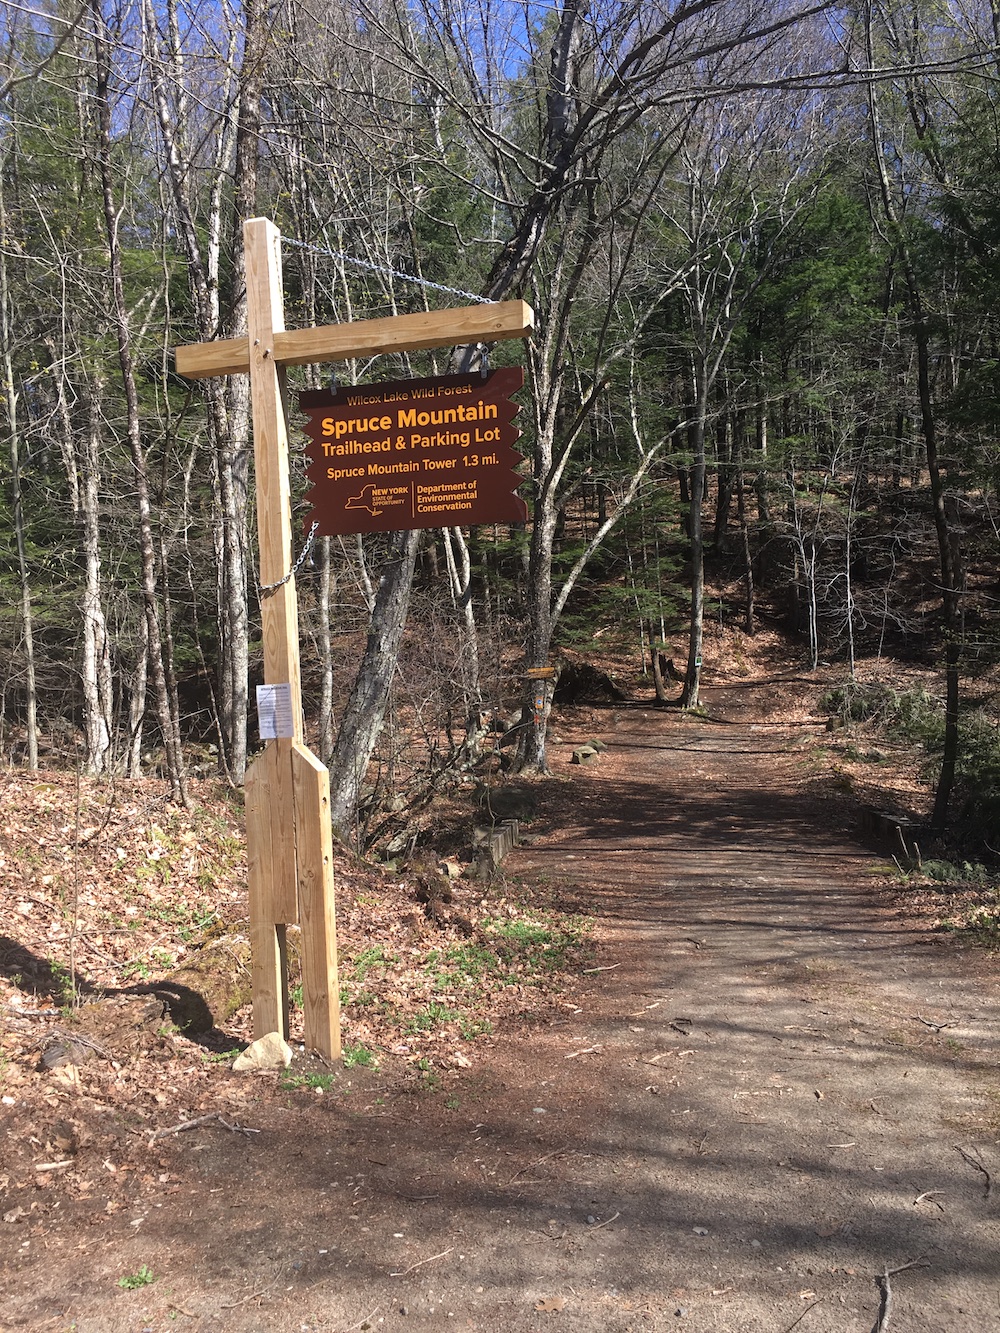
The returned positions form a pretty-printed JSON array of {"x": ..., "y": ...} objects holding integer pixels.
[
  {"x": 363, "y": 1322},
  {"x": 254, "y": 1296},
  {"x": 801, "y": 1316},
  {"x": 604, "y": 1224},
  {"x": 610, "y": 968},
  {"x": 937, "y": 1027},
  {"x": 974, "y": 1161},
  {"x": 233, "y": 1128},
  {"x": 80, "y": 1040},
  {"x": 587, "y": 1050},
  {"x": 885, "y": 1286},
  {"x": 420, "y": 1262},
  {"x": 546, "y": 1235},
  {"x": 116, "y": 963},
  {"x": 537, "y": 1162}
]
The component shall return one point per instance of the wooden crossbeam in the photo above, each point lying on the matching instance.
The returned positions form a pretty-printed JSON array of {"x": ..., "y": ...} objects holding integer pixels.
[{"x": 340, "y": 342}]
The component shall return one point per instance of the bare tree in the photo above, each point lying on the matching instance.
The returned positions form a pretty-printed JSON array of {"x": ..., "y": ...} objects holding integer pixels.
[
  {"x": 602, "y": 107},
  {"x": 749, "y": 167},
  {"x": 10, "y": 398},
  {"x": 194, "y": 153},
  {"x": 893, "y": 196},
  {"x": 159, "y": 660}
]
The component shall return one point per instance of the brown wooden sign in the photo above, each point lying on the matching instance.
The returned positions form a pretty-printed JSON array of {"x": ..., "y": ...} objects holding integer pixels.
[{"x": 428, "y": 453}]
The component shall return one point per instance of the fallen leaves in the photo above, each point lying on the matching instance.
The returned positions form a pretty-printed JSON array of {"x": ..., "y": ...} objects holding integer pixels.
[
  {"x": 123, "y": 890},
  {"x": 550, "y": 1304}
]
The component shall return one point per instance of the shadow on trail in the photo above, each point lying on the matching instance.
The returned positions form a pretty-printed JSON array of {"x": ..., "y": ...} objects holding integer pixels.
[{"x": 492, "y": 1189}]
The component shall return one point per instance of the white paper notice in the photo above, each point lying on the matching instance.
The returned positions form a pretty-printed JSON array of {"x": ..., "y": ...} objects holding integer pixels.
[{"x": 274, "y": 711}]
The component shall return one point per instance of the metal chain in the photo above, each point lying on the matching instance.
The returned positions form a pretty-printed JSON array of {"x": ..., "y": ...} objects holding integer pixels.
[
  {"x": 385, "y": 268},
  {"x": 265, "y": 589}
]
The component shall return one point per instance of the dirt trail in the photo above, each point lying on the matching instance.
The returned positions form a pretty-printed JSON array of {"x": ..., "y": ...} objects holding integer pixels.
[
  {"x": 774, "y": 1091},
  {"x": 794, "y": 1121}
]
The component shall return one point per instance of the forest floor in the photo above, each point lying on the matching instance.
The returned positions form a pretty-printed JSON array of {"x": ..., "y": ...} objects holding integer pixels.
[{"x": 765, "y": 1096}]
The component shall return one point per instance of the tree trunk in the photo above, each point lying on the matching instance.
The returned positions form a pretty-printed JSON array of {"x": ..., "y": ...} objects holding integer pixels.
[
  {"x": 323, "y": 640},
  {"x": 137, "y": 704},
  {"x": 741, "y": 510},
  {"x": 696, "y": 541},
  {"x": 459, "y": 565},
  {"x": 530, "y": 753},
  {"x": 724, "y": 487},
  {"x": 95, "y": 670},
  {"x": 14, "y": 447},
  {"x": 83, "y": 478},
  {"x": 659, "y": 665},
  {"x": 365, "y": 708}
]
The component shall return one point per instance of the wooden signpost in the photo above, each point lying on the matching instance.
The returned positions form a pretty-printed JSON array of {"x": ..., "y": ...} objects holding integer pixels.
[{"x": 289, "y": 840}]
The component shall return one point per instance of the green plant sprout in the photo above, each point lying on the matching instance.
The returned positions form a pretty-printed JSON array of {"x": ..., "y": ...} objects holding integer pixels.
[{"x": 132, "y": 1281}]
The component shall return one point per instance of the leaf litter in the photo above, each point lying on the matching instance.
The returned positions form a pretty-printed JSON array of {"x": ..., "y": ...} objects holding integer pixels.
[{"x": 106, "y": 888}]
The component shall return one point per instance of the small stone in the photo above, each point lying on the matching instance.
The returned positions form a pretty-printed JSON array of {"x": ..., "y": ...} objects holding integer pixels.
[
  {"x": 681, "y": 1311},
  {"x": 583, "y": 754},
  {"x": 591, "y": 1219},
  {"x": 700, "y": 1231},
  {"x": 268, "y": 1052}
]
